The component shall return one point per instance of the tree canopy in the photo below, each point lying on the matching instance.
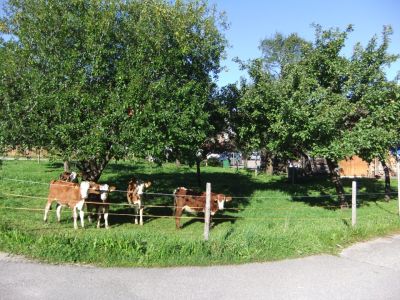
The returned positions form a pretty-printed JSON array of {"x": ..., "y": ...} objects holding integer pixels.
[
  {"x": 324, "y": 104},
  {"x": 95, "y": 80}
]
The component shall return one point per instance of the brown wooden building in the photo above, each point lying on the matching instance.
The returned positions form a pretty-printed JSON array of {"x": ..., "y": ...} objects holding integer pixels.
[{"x": 356, "y": 167}]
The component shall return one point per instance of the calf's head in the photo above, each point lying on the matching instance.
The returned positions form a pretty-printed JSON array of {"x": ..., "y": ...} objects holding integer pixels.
[
  {"x": 221, "y": 199},
  {"x": 141, "y": 186},
  {"x": 105, "y": 189},
  {"x": 101, "y": 189}
]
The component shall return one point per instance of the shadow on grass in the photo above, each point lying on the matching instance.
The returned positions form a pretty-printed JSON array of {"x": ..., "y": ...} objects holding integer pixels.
[
  {"x": 219, "y": 219},
  {"x": 313, "y": 191},
  {"x": 320, "y": 192}
]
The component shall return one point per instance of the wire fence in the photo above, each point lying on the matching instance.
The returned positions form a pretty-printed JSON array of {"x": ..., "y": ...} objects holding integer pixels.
[
  {"x": 233, "y": 197},
  {"x": 225, "y": 217}
]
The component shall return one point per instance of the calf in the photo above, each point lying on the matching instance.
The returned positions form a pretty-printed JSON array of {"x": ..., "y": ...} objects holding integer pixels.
[
  {"x": 69, "y": 176},
  {"x": 192, "y": 201},
  {"x": 135, "y": 196},
  {"x": 68, "y": 194},
  {"x": 97, "y": 199}
]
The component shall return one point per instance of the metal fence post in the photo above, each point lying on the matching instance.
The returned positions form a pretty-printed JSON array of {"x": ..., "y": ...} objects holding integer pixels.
[
  {"x": 398, "y": 183},
  {"x": 207, "y": 211},
  {"x": 354, "y": 203}
]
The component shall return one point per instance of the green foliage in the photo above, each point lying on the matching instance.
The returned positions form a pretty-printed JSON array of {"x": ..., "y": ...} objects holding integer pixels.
[
  {"x": 222, "y": 107},
  {"x": 93, "y": 80},
  {"x": 324, "y": 104},
  {"x": 375, "y": 118},
  {"x": 280, "y": 51},
  {"x": 268, "y": 219},
  {"x": 214, "y": 162}
]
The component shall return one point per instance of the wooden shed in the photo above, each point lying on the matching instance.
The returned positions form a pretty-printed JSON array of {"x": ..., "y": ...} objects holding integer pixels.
[{"x": 356, "y": 167}]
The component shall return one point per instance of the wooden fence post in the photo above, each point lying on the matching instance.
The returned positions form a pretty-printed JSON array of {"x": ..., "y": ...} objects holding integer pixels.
[
  {"x": 207, "y": 211},
  {"x": 354, "y": 203}
]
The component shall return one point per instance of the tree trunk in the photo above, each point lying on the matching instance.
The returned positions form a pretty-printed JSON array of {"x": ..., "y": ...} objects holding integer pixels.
[
  {"x": 198, "y": 173},
  {"x": 66, "y": 166},
  {"x": 245, "y": 163},
  {"x": 267, "y": 158},
  {"x": 92, "y": 169},
  {"x": 335, "y": 178},
  {"x": 270, "y": 167},
  {"x": 387, "y": 180},
  {"x": 307, "y": 163}
]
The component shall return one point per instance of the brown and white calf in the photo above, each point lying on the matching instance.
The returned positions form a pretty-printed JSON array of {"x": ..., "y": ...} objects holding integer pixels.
[
  {"x": 97, "y": 200},
  {"x": 69, "y": 194},
  {"x": 135, "y": 196},
  {"x": 194, "y": 202}
]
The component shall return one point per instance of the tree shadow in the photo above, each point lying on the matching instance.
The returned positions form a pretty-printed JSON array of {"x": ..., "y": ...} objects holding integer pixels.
[
  {"x": 159, "y": 201},
  {"x": 319, "y": 191},
  {"x": 218, "y": 219},
  {"x": 315, "y": 191}
]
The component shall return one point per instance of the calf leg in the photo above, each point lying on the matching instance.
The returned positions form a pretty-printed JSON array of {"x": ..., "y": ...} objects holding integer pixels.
[
  {"x": 105, "y": 212},
  {"x": 141, "y": 215},
  {"x": 75, "y": 215},
  {"x": 46, "y": 210},
  {"x": 98, "y": 211},
  {"x": 80, "y": 205},
  {"x": 89, "y": 211},
  {"x": 136, "y": 213},
  {"x": 58, "y": 212},
  {"x": 82, "y": 216},
  {"x": 178, "y": 214}
]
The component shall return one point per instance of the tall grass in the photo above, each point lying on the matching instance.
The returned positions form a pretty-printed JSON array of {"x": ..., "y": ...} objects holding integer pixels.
[{"x": 268, "y": 219}]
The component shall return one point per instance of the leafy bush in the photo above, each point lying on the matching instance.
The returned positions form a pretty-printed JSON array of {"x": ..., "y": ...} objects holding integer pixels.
[{"x": 214, "y": 162}]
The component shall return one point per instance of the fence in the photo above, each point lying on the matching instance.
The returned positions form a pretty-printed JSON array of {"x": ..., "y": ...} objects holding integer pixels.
[{"x": 206, "y": 217}]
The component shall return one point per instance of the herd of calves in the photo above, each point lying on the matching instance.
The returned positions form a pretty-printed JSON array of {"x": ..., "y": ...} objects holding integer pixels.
[{"x": 67, "y": 191}]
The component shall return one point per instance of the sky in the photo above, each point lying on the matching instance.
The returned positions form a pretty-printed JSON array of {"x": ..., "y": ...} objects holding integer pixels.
[{"x": 253, "y": 20}]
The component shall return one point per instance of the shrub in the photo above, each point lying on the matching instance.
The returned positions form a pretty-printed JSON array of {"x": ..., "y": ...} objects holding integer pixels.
[{"x": 214, "y": 162}]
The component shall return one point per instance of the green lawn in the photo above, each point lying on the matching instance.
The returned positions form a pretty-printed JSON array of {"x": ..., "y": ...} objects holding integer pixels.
[{"x": 268, "y": 219}]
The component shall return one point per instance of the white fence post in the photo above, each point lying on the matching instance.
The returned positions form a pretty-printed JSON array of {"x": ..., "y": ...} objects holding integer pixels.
[
  {"x": 207, "y": 211},
  {"x": 398, "y": 183},
  {"x": 354, "y": 203}
]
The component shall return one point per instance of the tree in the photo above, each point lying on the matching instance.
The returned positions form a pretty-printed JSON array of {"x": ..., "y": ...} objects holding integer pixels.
[
  {"x": 313, "y": 109},
  {"x": 107, "y": 78},
  {"x": 222, "y": 107},
  {"x": 280, "y": 51},
  {"x": 375, "y": 130},
  {"x": 259, "y": 111}
]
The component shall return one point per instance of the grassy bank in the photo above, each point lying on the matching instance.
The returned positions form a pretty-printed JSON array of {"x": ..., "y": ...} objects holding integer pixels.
[{"x": 268, "y": 219}]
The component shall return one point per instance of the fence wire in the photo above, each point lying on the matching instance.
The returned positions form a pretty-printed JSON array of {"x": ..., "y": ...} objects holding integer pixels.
[
  {"x": 188, "y": 217},
  {"x": 233, "y": 197},
  {"x": 238, "y": 209}
]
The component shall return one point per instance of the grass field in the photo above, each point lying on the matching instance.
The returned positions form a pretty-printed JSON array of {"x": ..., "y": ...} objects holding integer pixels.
[{"x": 268, "y": 219}]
